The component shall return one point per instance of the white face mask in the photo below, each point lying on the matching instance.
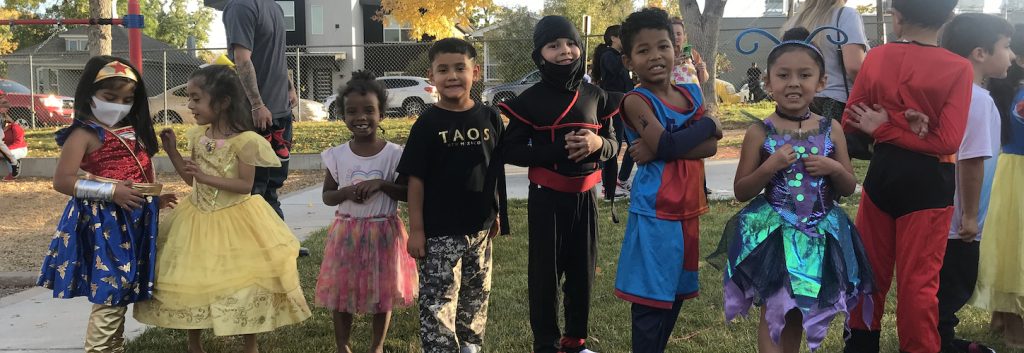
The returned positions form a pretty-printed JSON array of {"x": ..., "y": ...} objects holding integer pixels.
[{"x": 109, "y": 113}]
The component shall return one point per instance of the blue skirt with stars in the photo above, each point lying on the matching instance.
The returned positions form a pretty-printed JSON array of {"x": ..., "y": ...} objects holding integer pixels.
[{"x": 103, "y": 252}]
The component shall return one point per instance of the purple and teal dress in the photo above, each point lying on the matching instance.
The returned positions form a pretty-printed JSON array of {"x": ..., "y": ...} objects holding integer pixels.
[{"x": 793, "y": 247}]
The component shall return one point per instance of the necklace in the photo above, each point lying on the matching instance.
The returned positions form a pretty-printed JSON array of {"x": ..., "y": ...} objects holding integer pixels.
[
  {"x": 798, "y": 119},
  {"x": 211, "y": 142}
]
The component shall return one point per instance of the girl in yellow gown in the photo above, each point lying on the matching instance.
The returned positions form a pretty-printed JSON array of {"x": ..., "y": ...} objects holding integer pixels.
[{"x": 226, "y": 261}]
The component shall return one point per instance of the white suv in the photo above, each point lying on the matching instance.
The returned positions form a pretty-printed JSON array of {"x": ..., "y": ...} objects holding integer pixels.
[{"x": 407, "y": 96}]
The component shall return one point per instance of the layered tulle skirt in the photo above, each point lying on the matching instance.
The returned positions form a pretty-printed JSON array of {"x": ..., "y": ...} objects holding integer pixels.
[
  {"x": 1001, "y": 270},
  {"x": 232, "y": 270},
  {"x": 366, "y": 268},
  {"x": 770, "y": 263}
]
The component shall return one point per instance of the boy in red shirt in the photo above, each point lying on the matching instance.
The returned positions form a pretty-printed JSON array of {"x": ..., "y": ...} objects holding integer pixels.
[{"x": 912, "y": 98}]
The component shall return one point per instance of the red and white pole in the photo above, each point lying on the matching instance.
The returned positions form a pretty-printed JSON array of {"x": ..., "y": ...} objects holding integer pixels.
[{"x": 135, "y": 35}]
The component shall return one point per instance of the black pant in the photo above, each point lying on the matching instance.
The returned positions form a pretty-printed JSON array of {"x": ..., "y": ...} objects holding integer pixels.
[
  {"x": 268, "y": 180},
  {"x": 652, "y": 327},
  {"x": 611, "y": 167},
  {"x": 828, "y": 107},
  {"x": 957, "y": 278},
  {"x": 563, "y": 243}
]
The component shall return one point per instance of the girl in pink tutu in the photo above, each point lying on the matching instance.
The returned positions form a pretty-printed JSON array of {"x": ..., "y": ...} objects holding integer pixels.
[{"x": 366, "y": 269}]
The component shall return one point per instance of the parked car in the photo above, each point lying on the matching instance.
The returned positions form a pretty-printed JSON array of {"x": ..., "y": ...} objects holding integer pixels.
[
  {"x": 407, "y": 96},
  {"x": 504, "y": 92},
  {"x": 50, "y": 109},
  {"x": 177, "y": 112}
]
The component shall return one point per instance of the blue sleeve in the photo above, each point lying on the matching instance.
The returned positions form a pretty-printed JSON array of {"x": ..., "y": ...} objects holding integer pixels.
[{"x": 673, "y": 145}]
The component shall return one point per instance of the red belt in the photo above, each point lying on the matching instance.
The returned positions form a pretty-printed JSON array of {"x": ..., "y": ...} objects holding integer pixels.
[{"x": 552, "y": 180}]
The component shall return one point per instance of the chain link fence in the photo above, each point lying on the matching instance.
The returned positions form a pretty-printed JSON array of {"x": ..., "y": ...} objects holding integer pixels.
[{"x": 42, "y": 85}]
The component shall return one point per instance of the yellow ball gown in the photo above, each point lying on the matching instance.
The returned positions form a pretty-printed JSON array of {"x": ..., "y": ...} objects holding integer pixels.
[{"x": 225, "y": 261}]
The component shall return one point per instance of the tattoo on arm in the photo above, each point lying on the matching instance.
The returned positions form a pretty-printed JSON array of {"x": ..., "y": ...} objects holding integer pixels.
[
  {"x": 643, "y": 121},
  {"x": 247, "y": 74}
]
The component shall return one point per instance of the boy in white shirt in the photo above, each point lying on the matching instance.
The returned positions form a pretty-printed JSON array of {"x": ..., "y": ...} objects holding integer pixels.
[{"x": 985, "y": 41}]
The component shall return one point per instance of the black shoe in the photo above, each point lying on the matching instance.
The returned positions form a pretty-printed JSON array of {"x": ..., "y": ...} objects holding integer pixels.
[
  {"x": 303, "y": 252},
  {"x": 16, "y": 169},
  {"x": 861, "y": 341}
]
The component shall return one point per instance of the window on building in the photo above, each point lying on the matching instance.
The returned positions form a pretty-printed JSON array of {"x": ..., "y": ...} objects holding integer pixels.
[
  {"x": 289, "y": 14},
  {"x": 76, "y": 44},
  {"x": 396, "y": 32},
  {"x": 317, "y": 19}
]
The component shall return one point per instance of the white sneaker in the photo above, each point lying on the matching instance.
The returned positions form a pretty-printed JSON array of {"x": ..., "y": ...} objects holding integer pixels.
[{"x": 625, "y": 185}]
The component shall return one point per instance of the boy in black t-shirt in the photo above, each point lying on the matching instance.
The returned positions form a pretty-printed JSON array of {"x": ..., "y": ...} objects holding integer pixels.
[{"x": 456, "y": 188}]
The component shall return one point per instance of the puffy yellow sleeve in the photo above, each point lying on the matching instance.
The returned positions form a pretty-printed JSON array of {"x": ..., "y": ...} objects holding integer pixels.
[
  {"x": 253, "y": 149},
  {"x": 193, "y": 134}
]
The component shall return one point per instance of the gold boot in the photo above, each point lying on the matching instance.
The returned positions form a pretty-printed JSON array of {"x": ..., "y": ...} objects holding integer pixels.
[{"x": 105, "y": 333}]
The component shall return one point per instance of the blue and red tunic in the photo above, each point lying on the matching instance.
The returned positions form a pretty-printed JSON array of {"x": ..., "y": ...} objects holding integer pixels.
[{"x": 659, "y": 257}]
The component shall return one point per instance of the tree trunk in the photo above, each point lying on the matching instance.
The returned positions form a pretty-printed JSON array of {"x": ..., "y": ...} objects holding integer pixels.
[
  {"x": 702, "y": 30},
  {"x": 99, "y": 35}
]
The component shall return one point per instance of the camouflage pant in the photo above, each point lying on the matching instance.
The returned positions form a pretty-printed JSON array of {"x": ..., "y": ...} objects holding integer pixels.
[{"x": 455, "y": 283}]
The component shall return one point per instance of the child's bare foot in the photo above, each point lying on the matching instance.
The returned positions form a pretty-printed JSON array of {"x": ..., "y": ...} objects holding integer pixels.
[
  {"x": 250, "y": 344},
  {"x": 195, "y": 342},
  {"x": 998, "y": 323}
]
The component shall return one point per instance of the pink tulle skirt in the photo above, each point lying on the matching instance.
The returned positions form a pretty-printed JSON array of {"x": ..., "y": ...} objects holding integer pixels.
[{"x": 366, "y": 267}]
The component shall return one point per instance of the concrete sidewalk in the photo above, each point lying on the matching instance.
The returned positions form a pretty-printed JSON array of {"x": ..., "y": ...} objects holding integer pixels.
[{"x": 33, "y": 322}]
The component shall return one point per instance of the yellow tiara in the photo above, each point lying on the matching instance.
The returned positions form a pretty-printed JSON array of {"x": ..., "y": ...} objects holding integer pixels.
[{"x": 116, "y": 69}]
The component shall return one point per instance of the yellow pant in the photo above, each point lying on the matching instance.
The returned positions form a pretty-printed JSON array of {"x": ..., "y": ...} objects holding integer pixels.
[{"x": 106, "y": 329}]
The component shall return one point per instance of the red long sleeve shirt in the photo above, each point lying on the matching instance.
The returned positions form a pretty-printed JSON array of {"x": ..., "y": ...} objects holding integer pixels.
[
  {"x": 932, "y": 80},
  {"x": 14, "y": 136}
]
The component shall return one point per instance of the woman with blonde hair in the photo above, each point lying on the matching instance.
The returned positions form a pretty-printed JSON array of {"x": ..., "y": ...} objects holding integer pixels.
[{"x": 841, "y": 62}]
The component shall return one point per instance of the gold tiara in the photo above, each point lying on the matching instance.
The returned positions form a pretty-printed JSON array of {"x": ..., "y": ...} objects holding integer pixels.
[{"x": 116, "y": 69}]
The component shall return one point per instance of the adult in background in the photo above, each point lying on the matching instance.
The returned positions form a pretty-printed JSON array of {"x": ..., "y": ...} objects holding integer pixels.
[
  {"x": 842, "y": 63},
  {"x": 690, "y": 67},
  {"x": 754, "y": 91},
  {"x": 614, "y": 77},
  {"x": 595, "y": 61},
  {"x": 256, "y": 43}
]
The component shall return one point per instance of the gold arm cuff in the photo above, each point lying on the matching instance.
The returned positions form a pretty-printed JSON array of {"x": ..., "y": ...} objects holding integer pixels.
[{"x": 147, "y": 189}]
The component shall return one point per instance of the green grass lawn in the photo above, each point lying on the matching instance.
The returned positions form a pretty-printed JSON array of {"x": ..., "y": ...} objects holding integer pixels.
[
  {"x": 701, "y": 326},
  {"x": 733, "y": 118}
]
